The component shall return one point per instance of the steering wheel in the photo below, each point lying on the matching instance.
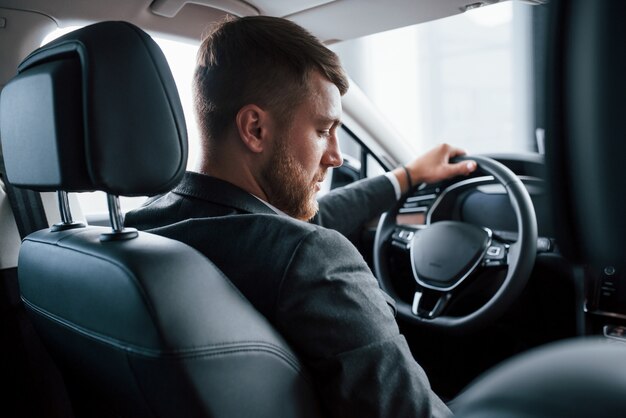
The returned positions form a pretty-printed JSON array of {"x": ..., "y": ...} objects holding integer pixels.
[{"x": 446, "y": 256}]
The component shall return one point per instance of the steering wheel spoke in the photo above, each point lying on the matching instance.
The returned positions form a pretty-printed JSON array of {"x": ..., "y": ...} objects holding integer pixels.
[{"x": 429, "y": 304}]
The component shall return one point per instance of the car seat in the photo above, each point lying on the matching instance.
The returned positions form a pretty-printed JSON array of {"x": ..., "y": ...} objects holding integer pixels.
[{"x": 139, "y": 325}]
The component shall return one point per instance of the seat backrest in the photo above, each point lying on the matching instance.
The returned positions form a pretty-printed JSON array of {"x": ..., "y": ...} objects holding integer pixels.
[{"x": 140, "y": 325}]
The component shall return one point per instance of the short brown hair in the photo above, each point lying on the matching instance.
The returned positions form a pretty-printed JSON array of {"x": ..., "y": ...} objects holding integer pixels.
[{"x": 257, "y": 60}]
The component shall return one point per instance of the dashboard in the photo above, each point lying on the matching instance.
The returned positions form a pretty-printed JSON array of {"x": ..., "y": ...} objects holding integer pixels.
[{"x": 480, "y": 201}]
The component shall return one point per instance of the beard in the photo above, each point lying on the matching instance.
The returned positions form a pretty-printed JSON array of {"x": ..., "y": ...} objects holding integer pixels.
[{"x": 288, "y": 186}]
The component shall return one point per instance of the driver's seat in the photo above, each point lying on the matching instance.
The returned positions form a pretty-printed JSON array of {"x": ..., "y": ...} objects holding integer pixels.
[{"x": 140, "y": 325}]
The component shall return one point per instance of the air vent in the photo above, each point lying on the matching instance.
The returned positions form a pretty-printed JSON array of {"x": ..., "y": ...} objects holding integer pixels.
[{"x": 421, "y": 200}]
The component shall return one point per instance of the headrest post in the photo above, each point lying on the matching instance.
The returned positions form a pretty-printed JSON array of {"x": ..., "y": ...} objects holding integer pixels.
[
  {"x": 64, "y": 207},
  {"x": 66, "y": 214},
  {"x": 117, "y": 222},
  {"x": 115, "y": 213}
]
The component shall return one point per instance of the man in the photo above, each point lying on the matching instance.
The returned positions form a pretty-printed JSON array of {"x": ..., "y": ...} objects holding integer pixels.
[{"x": 268, "y": 100}]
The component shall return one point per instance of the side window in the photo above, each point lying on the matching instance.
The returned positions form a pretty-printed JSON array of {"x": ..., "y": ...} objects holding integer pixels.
[{"x": 358, "y": 161}]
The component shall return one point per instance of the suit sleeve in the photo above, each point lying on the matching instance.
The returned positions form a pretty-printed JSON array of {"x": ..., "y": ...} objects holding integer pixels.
[
  {"x": 346, "y": 209},
  {"x": 337, "y": 319}
]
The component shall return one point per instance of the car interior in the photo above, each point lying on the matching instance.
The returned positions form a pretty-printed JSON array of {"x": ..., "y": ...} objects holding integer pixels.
[{"x": 103, "y": 320}]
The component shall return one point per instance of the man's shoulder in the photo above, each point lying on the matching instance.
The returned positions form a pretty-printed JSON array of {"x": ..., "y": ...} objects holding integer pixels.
[
  {"x": 263, "y": 227},
  {"x": 271, "y": 241},
  {"x": 255, "y": 251}
]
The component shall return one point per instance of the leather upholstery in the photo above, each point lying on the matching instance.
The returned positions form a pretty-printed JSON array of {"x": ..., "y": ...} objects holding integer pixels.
[
  {"x": 83, "y": 108},
  {"x": 150, "y": 327},
  {"x": 574, "y": 378},
  {"x": 146, "y": 326}
]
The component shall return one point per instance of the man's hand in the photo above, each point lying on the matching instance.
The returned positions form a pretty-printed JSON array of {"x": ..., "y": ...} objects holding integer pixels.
[{"x": 434, "y": 166}]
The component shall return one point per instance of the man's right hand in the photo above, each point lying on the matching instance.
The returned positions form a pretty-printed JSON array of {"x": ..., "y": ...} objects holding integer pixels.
[{"x": 434, "y": 166}]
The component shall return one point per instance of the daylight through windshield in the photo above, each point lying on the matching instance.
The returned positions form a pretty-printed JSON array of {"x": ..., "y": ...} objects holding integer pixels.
[{"x": 466, "y": 79}]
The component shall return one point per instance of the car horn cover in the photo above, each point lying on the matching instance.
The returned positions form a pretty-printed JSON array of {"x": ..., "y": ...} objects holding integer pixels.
[{"x": 447, "y": 252}]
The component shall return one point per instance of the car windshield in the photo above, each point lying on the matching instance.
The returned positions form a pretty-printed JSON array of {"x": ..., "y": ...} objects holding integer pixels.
[{"x": 466, "y": 79}]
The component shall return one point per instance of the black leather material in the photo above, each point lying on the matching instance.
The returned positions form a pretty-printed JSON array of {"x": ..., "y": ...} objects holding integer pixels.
[
  {"x": 150, "y": 327},
  {"x": 576, "y": 378},
  {"x": 96, "y": 109}
]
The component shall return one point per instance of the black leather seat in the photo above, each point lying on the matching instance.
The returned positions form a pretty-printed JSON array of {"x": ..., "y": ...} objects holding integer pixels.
[
  {"x": 577, "y": 378},
  {"x": 139, "y": 325}
]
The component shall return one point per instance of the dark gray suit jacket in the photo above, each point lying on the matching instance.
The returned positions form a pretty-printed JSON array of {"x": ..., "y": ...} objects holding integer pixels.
[{"x": 311, "y": 283}]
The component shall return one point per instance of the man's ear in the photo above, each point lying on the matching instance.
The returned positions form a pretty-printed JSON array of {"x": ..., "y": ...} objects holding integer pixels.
[{"x": 252, "y": 125}]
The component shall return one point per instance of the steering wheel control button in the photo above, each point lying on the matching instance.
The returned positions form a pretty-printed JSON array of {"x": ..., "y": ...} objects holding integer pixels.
[
  {"x": 495, "y": 255},
  {"x": 401, "y": 238},
  {"x": 406, "y": 235},
  {"x": 447, "y": 252}
]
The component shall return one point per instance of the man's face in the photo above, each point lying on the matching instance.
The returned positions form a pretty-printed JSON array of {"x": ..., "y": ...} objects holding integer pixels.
[{"x": 303, "y": 151}]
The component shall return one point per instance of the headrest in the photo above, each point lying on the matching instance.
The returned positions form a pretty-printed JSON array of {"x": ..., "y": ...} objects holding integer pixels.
[{"x": 96, "y": 109}]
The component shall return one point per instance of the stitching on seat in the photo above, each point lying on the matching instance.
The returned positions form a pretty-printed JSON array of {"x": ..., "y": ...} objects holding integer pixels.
[{"x": 195, "y": 352}]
